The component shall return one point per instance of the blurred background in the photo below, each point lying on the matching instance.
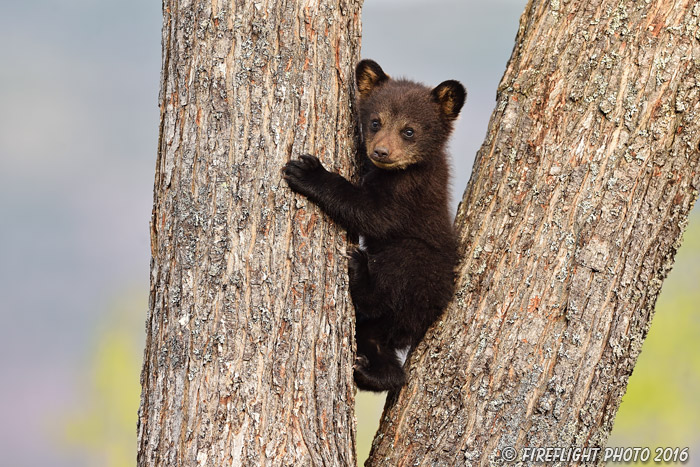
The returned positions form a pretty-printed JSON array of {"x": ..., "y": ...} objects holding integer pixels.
[{"x": 78, "y": 137}]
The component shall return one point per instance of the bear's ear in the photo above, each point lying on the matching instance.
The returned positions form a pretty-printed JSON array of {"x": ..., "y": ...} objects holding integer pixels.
[
  {"x": 450, "y": 95},
  {"x": 369, "y": 75}
]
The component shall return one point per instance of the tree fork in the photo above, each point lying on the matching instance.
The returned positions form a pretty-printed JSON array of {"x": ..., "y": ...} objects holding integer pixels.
[
  {"x": 570, "y": 222},
  {"x": 249, "y": 330}
]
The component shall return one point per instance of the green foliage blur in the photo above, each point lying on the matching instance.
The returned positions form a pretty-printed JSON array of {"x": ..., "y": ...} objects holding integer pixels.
[
  {"x": 368, "y": 410},
  {"x": 103, "y": 427},
  {"x": 660, "y": 408}
]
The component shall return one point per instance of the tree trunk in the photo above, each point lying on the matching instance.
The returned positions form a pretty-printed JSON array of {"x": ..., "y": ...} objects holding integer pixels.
[
  {"x": 570, "y": 222},
  {"x": 249, "y": 331}
]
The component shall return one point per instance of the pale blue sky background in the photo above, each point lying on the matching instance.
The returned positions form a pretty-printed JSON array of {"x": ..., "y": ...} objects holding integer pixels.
[{"x": 78, "y": 134}]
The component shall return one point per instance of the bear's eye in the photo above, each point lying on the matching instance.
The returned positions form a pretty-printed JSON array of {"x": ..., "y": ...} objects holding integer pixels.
[
  {"x": 408, "y": 132},
  {"x": 374, "y": 124}
]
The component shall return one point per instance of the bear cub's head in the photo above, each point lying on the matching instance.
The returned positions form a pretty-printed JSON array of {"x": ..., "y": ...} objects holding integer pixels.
[{"x": 403, "y": 122}]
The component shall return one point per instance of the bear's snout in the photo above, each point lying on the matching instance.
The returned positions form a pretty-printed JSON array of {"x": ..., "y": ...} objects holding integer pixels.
[{"x": 381, "y": 152}]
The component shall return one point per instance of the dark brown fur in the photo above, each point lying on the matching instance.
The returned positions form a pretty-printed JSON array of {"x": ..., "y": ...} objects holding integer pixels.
[{"x": 402, "y": 279}]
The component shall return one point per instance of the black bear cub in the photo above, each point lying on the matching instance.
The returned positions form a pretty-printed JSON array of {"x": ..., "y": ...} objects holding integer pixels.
[{"x": 401, "y": 277}]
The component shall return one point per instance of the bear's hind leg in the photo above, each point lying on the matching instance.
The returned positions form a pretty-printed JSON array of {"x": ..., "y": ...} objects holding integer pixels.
[{"x": 361, "y": 288}]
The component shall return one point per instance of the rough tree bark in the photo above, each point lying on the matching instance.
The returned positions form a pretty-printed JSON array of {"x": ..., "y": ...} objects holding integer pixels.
[
  {"x": 249, "y": 341},
  {"x": 568, "y": 226}
]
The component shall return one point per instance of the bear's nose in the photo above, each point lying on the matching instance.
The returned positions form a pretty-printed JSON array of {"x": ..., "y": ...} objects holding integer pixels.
[{"x": 381, "y": 152}]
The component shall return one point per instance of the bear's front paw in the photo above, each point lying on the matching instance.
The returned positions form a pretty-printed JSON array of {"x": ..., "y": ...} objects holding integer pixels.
[
  {"x": 361, "y": 362},
  {"x": 357, "y": 260},
  {"x": 303, "y": 173}
]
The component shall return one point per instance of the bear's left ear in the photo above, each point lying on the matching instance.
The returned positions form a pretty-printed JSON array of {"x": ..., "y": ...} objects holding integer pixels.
[{"x": 450, "y": 95}]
